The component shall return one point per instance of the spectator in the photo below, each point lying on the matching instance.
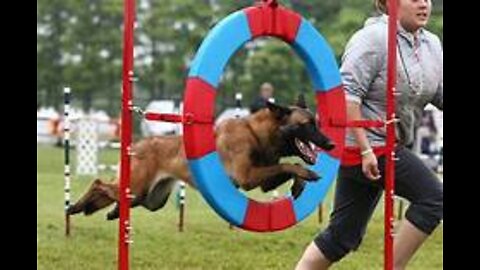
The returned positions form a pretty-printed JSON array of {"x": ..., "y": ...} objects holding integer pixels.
[{"x": 266, "y": 94}]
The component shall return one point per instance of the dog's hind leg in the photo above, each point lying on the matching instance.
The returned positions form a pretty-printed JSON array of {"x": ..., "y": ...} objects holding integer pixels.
[
  {"x": 159, "y": 193},
  {"x": 98, "y": 196},
  {"x": 156, "y": 197},
  {"x": 115, "y": 212}
]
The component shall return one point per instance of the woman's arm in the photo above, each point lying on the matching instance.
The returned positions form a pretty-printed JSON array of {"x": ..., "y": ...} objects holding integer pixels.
[
  {"x": 361, "y": 63},
  {"x": 369, "y": 160},
  {"x": 353, "y": 113}
]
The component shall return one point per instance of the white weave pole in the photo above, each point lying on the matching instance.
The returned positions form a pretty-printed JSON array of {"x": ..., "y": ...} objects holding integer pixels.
[
  {"x": 66, "y": 145},
  {"x": 107, "y": 145},
  {"x": 181, "y": 205},
  {"x": 238, "y": 104},
  {"x": 87, "y": 147}
]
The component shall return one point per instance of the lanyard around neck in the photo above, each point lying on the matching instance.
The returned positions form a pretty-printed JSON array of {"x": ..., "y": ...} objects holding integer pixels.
[{"x": 416, "y": 47}]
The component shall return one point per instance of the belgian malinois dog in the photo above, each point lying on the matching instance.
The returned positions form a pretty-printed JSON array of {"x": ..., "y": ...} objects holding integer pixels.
[{"x": 250, "y": 148}]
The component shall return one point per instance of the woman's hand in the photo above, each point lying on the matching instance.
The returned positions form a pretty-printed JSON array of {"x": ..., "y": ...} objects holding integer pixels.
[{"x": 370, "y": 166}]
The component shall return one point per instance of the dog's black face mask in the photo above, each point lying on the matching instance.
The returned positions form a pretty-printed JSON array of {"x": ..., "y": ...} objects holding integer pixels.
[
  {"x": 300, "y": 134},
  {"x": 303, "y": 139}
]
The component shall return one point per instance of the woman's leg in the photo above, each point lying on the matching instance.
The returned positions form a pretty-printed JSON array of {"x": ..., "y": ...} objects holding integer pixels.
[
  {"x": 407, "y": 241},
  {"x": 419, "y": 185},
  {"x": 354, "y": 203},
  {"x": 413, "y": 181},
  {"x": 313, "y": 258}
]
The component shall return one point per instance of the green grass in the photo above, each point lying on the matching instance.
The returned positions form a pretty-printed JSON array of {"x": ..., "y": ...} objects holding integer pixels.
[{"x": 206, "y": 243}]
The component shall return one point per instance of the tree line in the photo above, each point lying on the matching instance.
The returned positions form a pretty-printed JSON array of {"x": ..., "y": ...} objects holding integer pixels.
[{"x": 79, "y": 44}]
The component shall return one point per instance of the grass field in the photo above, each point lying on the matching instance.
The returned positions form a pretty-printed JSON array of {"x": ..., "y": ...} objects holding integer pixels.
[{"x": 206, "y": 243}]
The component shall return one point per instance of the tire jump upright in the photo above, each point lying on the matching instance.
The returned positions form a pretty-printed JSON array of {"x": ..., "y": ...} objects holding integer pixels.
[{"x": 229, "y": 35}]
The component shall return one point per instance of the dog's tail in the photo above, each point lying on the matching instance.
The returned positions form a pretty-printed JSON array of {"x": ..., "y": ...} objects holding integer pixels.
[{"x": 98, "y": 196}]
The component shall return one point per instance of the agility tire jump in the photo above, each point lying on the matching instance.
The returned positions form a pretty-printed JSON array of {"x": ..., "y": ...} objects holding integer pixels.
[{"x": 201, "y": 86}]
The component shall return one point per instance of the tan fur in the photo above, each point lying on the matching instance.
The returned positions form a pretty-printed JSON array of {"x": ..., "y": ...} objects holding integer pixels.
[
  {"x": 235, "y": 141},
  {"x": 159, "y": 159}
]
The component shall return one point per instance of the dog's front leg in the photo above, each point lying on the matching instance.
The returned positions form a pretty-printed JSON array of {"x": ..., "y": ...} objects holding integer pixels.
[
  {"x": 255, "y": 176},
  {"x": 296, "y": 189},
  {"x": 274, "y": 182}
]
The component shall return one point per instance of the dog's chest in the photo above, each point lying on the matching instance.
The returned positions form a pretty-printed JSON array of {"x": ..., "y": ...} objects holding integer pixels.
[{"x": 264, "y": 156}]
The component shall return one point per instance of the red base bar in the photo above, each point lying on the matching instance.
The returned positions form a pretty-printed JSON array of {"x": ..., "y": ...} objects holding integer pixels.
[
  {"x": 177, "y": 118},
  {"x": 357, "y": 123},
  {"x": 164, "y": 117}
]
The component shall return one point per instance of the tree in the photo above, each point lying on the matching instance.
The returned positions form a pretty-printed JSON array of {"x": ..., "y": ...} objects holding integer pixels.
[
  {"x": 275, "y": 62},
  {"x": 79, "y": 43},
  {"x": 51, "y": 26},
  {"x": 93, "y": 49},
  {"x": 170, "y": 33}
]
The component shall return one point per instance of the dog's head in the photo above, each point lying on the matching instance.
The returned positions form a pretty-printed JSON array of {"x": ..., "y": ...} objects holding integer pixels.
[{"x": 299, "y": 131}]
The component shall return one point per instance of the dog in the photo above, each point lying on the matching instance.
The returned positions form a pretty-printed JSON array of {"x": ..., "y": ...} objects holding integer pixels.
[{"x": 250, "y": 149}]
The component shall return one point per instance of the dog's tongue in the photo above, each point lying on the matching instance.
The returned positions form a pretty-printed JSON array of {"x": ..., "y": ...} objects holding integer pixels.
[{"x": 307, "y": 150}]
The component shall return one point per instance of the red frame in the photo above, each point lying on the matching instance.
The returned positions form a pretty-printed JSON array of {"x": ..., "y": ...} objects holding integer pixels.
[
  {"x": 126, "y": 136},
  {"x": 390, "y": 144},
  {"x": 126, "y": 132}
]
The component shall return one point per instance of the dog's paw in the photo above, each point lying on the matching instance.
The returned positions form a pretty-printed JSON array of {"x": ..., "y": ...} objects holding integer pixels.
[
  {"x": 310, "y": 176},
  {"x": 297, "y": 188},
  {"x": 71, "y": 210},
  {"x": 89, "y": 209},
  {"x": 306, "y": 174},
  {"x": 111, "y": 216}
]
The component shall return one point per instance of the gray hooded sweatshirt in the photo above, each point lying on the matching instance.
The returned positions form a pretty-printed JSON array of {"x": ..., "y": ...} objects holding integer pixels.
[{"x": 419, "y": 77}]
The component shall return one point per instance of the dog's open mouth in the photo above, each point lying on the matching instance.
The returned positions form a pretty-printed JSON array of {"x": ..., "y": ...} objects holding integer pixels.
[{"x": 308, "y": 150}]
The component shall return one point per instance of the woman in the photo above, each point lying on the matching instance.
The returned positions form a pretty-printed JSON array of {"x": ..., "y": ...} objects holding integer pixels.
[{"x": 360, "y": 181}]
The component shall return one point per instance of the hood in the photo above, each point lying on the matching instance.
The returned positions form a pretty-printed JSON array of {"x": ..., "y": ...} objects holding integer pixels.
[{"x": 377, "y": 19}]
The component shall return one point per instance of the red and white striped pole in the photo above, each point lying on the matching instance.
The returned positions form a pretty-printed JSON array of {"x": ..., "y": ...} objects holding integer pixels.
[
  {"x": 390, "y": 125},
  {"x": 126, "y": 136},
  {"x": 66, "y": 147}
]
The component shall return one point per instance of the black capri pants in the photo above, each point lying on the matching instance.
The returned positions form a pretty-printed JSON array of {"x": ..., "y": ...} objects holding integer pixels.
[{"x": 357, "y": 196}]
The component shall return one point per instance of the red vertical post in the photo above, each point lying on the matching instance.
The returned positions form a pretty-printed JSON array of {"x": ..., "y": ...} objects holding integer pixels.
[
  {"x": 390, "y": 144},
  {"x": 126, "y": 136}
]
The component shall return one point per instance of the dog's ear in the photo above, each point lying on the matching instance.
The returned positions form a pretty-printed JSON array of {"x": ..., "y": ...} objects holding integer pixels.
[
  {"x": 301, "y": 101},
  {"x": 278, "y": 111}
]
